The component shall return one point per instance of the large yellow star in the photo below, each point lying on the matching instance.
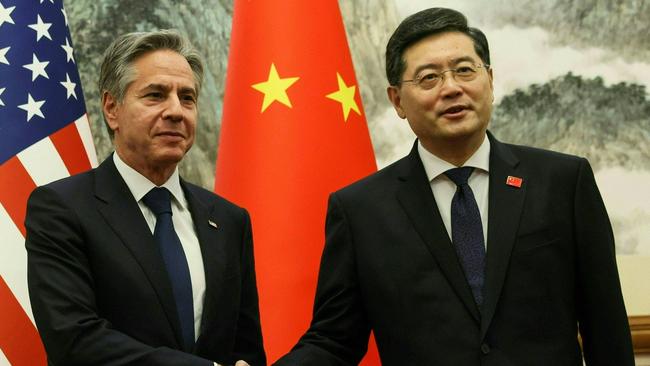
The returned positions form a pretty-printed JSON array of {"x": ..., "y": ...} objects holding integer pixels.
[
  {"x": 275, "y": 89},
  {"x": 345, "y": 96}
]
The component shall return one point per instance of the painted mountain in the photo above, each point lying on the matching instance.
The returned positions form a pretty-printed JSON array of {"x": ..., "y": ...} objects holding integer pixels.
[{"x": 571, "y": 76}]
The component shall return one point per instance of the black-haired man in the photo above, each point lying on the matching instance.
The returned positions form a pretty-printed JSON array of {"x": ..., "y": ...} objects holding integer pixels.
[{"x": 468, "y": 251}]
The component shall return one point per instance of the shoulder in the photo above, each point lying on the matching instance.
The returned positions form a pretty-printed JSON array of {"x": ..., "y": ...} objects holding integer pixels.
[
  {"x": 378, "y": 184},
  {"x": 86, "y": 183},
  {"x": 551, "y": 170},
  {"x": 211, "y": 200},
  {"x": 544, "y": 155},
  {"x": 69, "y": 188},
  {"x": 61, "y": 203},
  {"x": 536, "y": 160}
]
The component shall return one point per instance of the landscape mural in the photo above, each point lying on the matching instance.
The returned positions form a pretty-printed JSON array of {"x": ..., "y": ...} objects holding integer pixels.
[{"x": 569, "y": 76}]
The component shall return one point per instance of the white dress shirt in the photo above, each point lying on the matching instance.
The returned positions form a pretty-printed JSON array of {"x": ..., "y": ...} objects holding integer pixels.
[
  {"x": 139, "y": 185},
  {"x": 443, "y": 188}
]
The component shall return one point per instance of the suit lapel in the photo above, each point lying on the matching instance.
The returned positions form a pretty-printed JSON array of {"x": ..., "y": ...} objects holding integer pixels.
[
  {"x": 417, "y": 200},
  {"x": 121, "y": 212},
  {"x": 214, "y": 255},
  {"x": 504, "y": 211}
]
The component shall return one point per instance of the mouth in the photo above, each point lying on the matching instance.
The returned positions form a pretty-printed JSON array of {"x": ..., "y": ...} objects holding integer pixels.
[
  {"x": 455, "y": 111},
  {"x": 171, "y": 135}
]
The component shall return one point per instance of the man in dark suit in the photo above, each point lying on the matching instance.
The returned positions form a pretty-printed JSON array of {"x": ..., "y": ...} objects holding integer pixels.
[
  {"x": 128, "y": 264},
  {"x": 468, "y": 251}
]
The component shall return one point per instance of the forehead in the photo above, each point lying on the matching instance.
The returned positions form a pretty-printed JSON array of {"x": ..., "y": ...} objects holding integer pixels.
[
  {"x": 163, "y": 66},
  {"x": 440, "y": 49}
]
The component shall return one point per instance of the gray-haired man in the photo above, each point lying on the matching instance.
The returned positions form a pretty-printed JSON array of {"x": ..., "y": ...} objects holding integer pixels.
[{"x": 128, "y": 263}]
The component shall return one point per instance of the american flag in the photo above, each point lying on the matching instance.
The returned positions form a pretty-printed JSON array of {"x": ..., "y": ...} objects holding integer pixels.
[{"x": 44, "y": 136}]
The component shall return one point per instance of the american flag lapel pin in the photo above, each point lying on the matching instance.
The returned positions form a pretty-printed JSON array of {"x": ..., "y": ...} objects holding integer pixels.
[
  {"x": 213, "y": 224},
  {"x": 514, "y": 181}
]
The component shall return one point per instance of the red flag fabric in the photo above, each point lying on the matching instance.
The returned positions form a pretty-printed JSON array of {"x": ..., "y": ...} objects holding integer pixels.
[
  {"x": 44, "y": 136},
  {"x": 293, "y": 131}
]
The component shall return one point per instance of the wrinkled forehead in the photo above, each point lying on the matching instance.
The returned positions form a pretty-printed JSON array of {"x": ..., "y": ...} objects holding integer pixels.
[{"x": 163, "y": 67}]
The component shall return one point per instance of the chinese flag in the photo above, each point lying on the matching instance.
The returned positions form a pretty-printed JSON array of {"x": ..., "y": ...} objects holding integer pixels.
[{"x": 293, "y": 131}]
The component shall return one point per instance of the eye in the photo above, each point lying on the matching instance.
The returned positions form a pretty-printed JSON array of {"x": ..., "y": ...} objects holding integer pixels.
[
  {"x": 154, "y": 95},
  {"x": 431, "y": 76},
  {"x": 188, "y": 98},
  {"x": 465, "y": 70}
]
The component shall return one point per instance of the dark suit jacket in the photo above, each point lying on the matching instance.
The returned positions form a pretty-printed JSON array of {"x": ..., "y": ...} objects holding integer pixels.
[
  {"x": 98, "y": 286},
  {"x": 389, "y": 265}
]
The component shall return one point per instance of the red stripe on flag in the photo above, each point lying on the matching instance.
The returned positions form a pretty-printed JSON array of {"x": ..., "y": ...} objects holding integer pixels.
[
  {"x": 15, "y": 187},
  {"x": 69, "y": 145},
  {"x": 19, "y": 338}
]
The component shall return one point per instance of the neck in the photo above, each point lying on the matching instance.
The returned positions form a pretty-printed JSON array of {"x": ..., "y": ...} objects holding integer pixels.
[
  {"x": 456, "y": 151},
  {"x": 158, "y": 175}
]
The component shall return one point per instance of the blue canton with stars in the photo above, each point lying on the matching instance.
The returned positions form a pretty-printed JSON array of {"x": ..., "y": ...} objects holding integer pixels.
[{"x": 40, "y": 91}]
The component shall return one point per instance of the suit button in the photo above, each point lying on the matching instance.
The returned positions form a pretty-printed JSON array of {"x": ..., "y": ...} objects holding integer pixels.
[{"x": 485, "y": 348}]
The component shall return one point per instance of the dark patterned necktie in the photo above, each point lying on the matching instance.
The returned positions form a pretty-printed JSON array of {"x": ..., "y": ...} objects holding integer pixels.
[
  {"x": 158, "y": 200},
  {"x": 467, "y": 231}
]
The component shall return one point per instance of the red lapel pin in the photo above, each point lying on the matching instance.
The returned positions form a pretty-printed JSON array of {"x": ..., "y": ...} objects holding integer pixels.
[{"x": 514, "y": 181}]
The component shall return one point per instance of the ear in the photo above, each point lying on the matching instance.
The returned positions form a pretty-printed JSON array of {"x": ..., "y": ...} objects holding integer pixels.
[
  {"x": 490, "y": 75},
  {"x": 110, "y": 107},
  {"x": 394, "y": 95}
]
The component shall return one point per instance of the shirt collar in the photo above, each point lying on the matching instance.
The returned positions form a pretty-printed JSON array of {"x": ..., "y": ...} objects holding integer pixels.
[
  {"x": 434, "y": 166},
  {"x": 139, "y": 185}
]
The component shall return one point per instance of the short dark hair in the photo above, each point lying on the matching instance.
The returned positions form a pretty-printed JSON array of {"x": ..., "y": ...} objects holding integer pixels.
[{"x": 423, "y": 24}]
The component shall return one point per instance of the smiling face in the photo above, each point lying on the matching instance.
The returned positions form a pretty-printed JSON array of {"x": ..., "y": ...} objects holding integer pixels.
[
  {"x": 454, "y": 114},
  {"x": 154, "y": 125}
]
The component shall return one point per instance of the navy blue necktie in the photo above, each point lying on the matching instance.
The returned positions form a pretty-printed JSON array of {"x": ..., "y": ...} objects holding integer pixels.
[
  {"x": 158, "y": 200},
  {"x": 467, "y": 231}
]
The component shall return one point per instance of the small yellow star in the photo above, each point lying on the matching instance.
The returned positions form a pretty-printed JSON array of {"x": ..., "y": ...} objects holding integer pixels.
[
  {"x": 345, "y": 96},
  {"x": 275, "y": 89}
]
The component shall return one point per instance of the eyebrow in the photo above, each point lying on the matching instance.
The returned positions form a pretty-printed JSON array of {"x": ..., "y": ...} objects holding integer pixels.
[
  {"x": 183, "y": 90},
  {"x": 188, "y": 90},
  {"x": 454, "y": 62}
]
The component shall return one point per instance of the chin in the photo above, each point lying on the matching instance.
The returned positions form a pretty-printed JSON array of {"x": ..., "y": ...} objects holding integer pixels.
[
  {"x": 458, "y": 134},
  {"x": 171, "y": 157},
  {"x": 465, "y": 130}
]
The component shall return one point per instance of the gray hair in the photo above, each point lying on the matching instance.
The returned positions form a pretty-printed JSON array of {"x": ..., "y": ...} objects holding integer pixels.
[{"x": 117, "y": 71}]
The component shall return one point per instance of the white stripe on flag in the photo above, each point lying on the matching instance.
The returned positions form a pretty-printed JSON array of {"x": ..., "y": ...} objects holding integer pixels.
[
  {"x": 3, "y": 359},
  {"x": 83, "y": 126},
  {"x": 13, "y": 260},
  {"x": 43, "y": 162}
]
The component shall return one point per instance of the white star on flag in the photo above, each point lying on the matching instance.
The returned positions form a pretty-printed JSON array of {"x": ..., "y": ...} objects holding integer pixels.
[
  {"x": 68, "y": 51},
  {"x": 37, "y": 67},
  {"x": 44, "y": 136},
  {"x": 3, "y": 55},
  {"x": 32, "y": 107},
  {"x": 5, "y": 15},
  {"x": 42, "y": 29},
  {"x": 69, "y": 86}
]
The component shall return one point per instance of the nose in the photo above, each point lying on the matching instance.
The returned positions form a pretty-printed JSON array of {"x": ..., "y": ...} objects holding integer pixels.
[
  {"x": 449, "y": 87},
  {"x": 173, "y": 109}
]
